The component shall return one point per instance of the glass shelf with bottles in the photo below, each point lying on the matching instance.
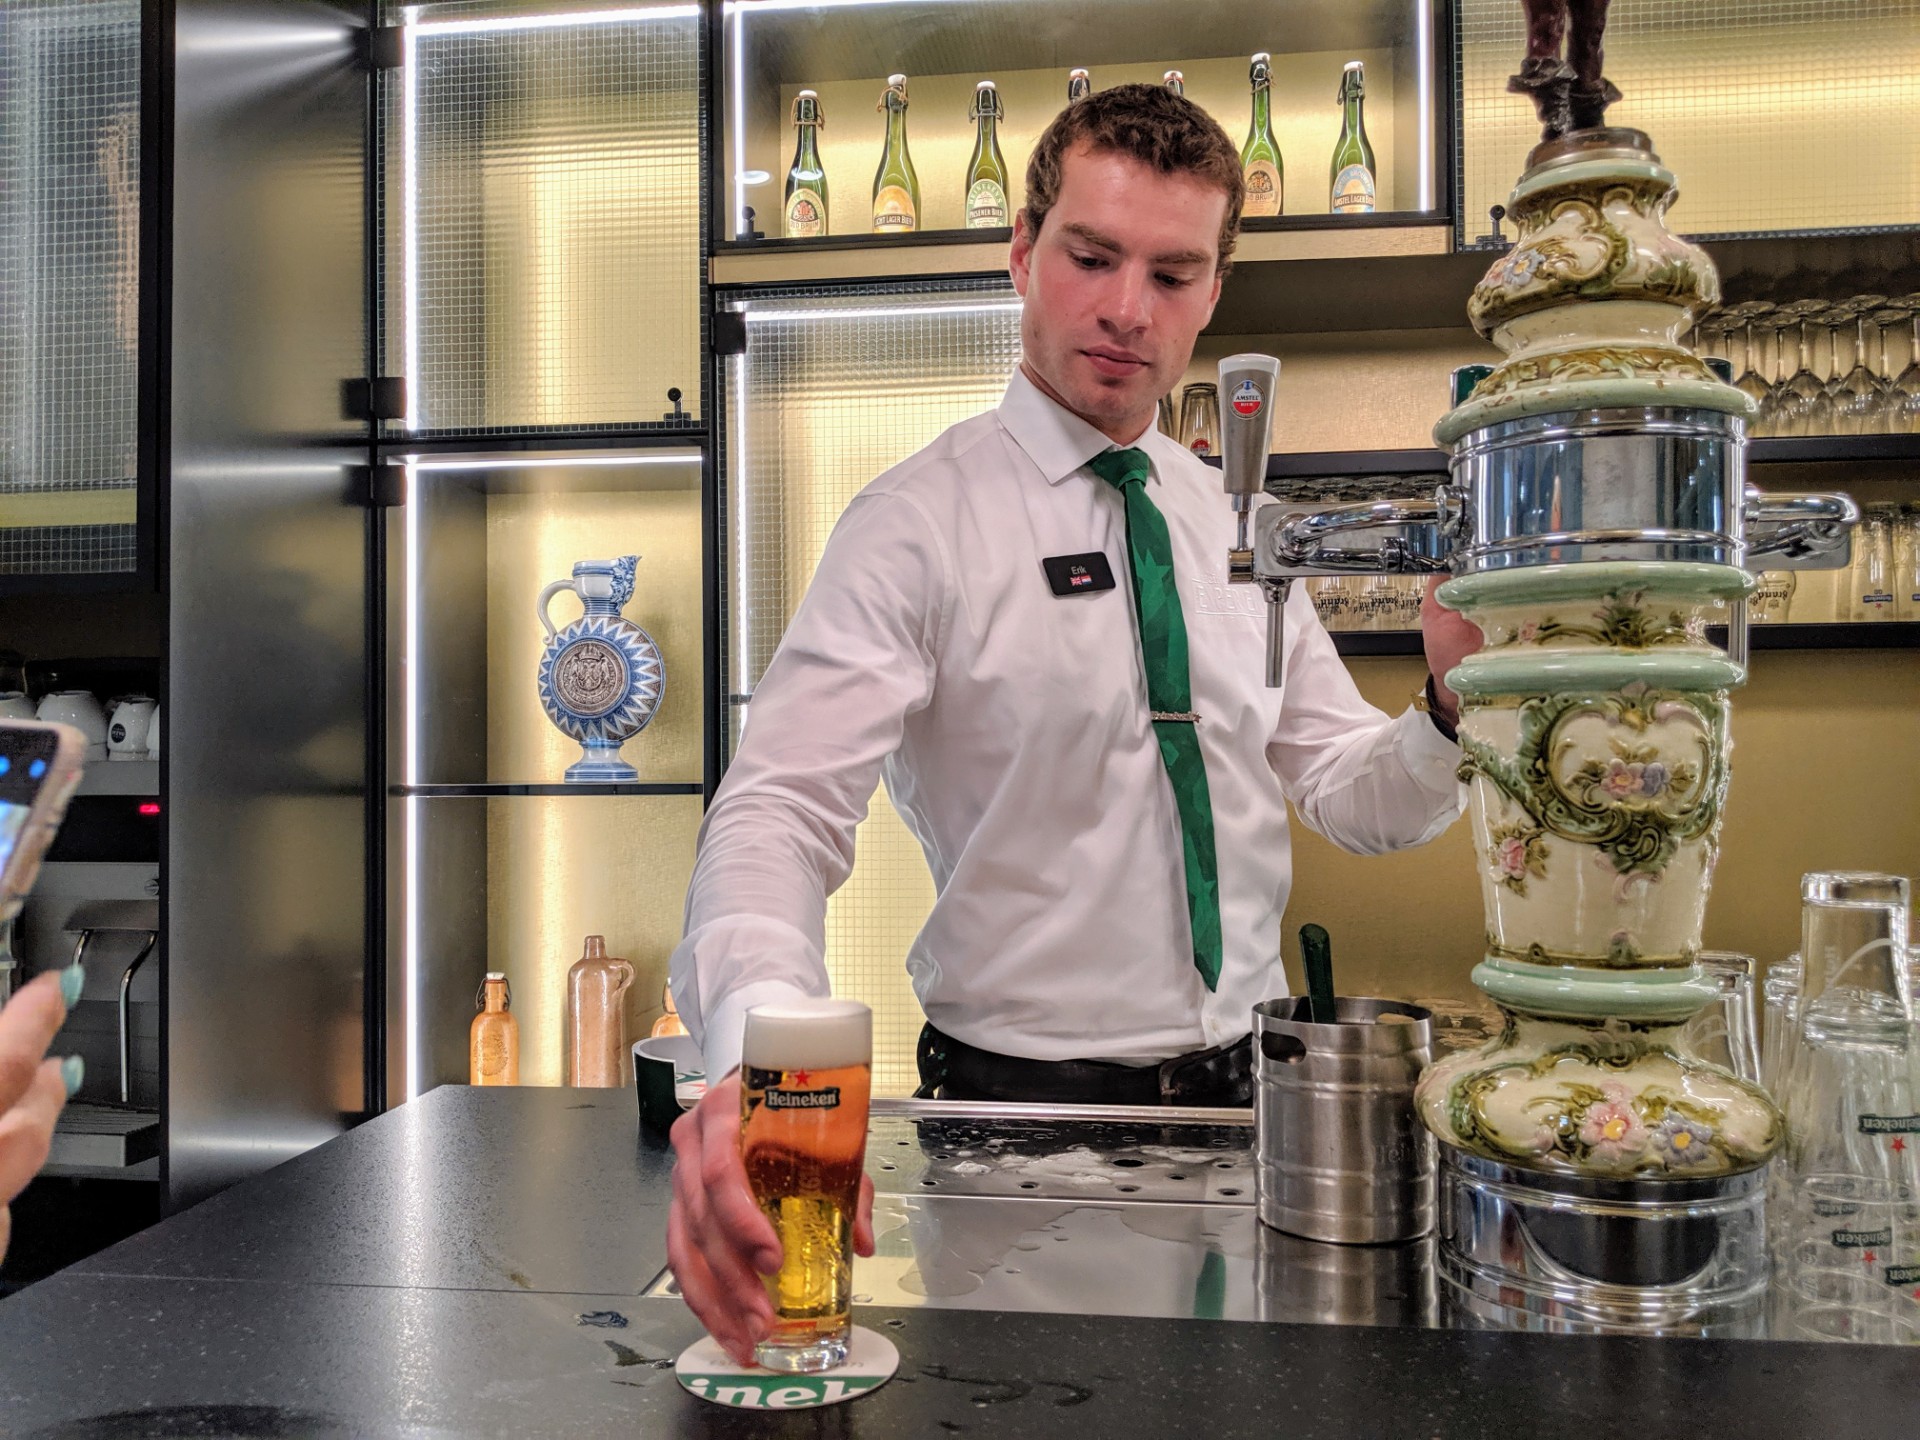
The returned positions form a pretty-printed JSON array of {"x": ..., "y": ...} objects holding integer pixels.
[{"x": 868, "y": 123}]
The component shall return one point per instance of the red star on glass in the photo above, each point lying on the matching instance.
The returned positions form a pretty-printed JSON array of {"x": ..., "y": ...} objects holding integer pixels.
[
  {"x": 1868, "y": 1258},
  {"x": 1899, "y": 1143},
  {"x": 802, "y": 1077}
]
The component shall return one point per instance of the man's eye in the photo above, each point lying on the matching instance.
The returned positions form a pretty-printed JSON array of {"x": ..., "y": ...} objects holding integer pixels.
[
  {"x": 1174, "y": 282},
  {"x": 1088, "y": 262}
]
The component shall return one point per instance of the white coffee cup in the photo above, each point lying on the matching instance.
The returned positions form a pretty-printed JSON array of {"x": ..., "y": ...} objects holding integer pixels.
[
  {"x": 79, "y": 709},
  {"x": 14, "y": 705},
  {"x": 153, "y": 735},
  {"x": 128, "y": 727}
]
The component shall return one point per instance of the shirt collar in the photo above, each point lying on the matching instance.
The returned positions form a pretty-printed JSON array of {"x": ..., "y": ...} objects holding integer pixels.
[{"x": 1058, "y": 441}]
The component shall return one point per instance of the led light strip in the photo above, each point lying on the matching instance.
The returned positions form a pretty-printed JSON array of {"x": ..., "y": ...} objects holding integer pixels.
[
  {"x": 1423, "y": 68},
  {"x": 410, "y": 769},
  {"x": 887, "y": 312},
  {"x": 515, "y": 462},
  {"x": 497, "y": 23}
]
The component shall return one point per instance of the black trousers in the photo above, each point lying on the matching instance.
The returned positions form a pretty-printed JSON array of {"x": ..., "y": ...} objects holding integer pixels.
[{"x": 951, "y": 1069}]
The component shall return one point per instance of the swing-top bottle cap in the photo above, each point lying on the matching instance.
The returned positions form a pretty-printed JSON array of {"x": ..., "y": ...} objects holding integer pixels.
[
  {"x": 1079, "y": 74},
  {"x": 1354, "y": 65},
  {"x": 808, "y": 95},
  {"x": 1261, "y": 57},
  {"x": 496, "y": 975},
  {"x": 986, "y": 85},
  {"x": 894, "y": 82}
]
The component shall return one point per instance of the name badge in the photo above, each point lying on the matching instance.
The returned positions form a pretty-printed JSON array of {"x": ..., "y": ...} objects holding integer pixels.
[{"x": 1078, "y": 574}]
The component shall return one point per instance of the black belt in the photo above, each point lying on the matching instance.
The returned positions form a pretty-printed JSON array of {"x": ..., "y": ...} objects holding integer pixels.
[{"x": 951, "y": 1069}]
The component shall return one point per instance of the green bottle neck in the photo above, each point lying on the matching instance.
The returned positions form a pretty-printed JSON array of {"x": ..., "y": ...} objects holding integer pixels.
[
  {"x": 806, "y": 155},
  {"x": 896, "y": 128},
  {"x": 1355, "y": 100},
  {"x": 1262, "y": 110}
]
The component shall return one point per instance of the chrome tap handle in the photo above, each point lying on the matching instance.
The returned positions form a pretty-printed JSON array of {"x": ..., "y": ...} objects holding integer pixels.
[
  {"x": 1300, "y": 539},
  {"x": 1806, "y": 531}
]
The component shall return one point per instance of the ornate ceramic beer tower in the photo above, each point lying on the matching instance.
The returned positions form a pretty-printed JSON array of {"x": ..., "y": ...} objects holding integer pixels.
[{"x": 1597, "y": 523}]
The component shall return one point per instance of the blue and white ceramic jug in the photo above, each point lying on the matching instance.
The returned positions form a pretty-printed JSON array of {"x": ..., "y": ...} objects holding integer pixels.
[{"x": 602, "y": 677}]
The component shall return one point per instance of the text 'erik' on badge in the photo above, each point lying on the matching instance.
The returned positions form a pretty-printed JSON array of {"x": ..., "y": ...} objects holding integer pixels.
[{"x": 1078, "y": 574}]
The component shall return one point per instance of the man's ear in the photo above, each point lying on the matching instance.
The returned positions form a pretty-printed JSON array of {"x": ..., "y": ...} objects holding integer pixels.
[{"x": 1020, "y": 255}]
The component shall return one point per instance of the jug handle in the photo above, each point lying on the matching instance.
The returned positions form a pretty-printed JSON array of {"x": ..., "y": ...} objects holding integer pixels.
[
  {"x": 626, "y": 978},
  {"x": 540, "y": 605}
]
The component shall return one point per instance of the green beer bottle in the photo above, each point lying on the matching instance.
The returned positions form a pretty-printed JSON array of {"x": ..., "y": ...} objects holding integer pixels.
[
  {"x": 1175, "y": 82},
  {"x": 896, "y": 189},
  {"x": 1260, "y": 164},
  {"x": 987, "y": 172},
  {"x": 806, "y": 208},
  {"x": 1079, "y": 85},
  {"x": 1353, "y": 172}
]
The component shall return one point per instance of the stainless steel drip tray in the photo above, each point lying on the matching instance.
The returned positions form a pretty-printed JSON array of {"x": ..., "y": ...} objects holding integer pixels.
[
  {"x": 1032, "y": 1152},
  {"x": 1102, "y": 1211}
]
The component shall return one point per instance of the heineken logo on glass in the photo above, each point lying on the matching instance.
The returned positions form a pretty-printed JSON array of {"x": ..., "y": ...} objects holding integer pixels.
[
  {"x": 1903, "y": 1274},
  {"x": 827, "y": 1099},
  {"x": 1246, "y": 400},
  {"x": 1890, "y": 1124},
  {"x": 1861, "y": 1239}
]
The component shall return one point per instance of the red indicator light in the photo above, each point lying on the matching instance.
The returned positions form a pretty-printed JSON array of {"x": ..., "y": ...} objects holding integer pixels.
[{"x": 149, "y": 807}]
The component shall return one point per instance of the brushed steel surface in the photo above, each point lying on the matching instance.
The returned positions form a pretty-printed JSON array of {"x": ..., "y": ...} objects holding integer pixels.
[
  {"x": 1341, "y": 1155},
  {"x": 266, "y": 697}
]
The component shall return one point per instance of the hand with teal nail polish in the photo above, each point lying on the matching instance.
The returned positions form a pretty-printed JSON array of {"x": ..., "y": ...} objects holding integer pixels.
[{"x": 33, "y": 1089}]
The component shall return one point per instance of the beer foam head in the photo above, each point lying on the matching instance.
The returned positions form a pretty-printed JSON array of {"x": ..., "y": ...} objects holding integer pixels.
[{"x": 808, "y": 1034}]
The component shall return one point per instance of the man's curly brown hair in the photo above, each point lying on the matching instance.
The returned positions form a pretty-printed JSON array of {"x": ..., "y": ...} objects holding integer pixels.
[{"x": 1150, "y": 123}]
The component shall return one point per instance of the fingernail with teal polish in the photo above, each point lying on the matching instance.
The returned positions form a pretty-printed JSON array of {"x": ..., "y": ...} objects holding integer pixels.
[
  {"x": 73, "y": 980},
  {"x": 73, "y": 1070}
]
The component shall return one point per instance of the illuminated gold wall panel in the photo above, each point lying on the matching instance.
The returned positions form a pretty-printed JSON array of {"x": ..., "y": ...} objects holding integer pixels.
[
  {"x": 560, "y": 869},
  {"x": 533, "y": 539},
  {"x": 1775, "y": 114}
]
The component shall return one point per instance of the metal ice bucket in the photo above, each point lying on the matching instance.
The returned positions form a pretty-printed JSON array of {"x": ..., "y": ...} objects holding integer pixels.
[{"x": 1340, "y": 1155}]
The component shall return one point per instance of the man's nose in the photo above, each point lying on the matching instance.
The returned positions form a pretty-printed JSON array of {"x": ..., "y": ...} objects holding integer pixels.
[{"x": 1129, "y": 299}]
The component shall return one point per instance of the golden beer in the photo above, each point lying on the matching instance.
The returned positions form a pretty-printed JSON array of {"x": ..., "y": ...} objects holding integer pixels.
[{"x": 805, "y": 1075}]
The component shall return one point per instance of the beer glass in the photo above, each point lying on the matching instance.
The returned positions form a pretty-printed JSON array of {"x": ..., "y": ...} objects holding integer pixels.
[{"x": 805, "y": 1075}]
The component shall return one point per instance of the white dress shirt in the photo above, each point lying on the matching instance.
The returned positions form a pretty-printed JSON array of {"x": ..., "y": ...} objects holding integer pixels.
[{"x": 1012, "y": 729}]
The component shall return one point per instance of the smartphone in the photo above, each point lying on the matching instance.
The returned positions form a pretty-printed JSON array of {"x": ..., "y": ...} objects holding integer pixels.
[{"x": 39, "y": 767}]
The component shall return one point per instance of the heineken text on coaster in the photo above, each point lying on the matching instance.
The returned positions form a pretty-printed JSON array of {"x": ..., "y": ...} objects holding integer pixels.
[{"x": 704, "y": 1369}]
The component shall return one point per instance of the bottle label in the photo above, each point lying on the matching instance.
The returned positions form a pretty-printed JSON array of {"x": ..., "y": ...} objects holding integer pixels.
[
  {"x": 493, "y": 1052},
  {"x": 1263, "y": 188},
  {"x": 1353, "y": 191},
  {"x": 806, "y": 214},
  {"x": 986, "y": 205},
  {"x": 893, "y": 211}
]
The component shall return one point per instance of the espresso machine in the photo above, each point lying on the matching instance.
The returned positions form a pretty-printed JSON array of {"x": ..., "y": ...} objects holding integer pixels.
[{"x": 1597, "y": 524}]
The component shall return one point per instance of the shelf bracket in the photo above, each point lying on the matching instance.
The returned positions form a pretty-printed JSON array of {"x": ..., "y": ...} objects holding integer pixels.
[{"x": 386, "y": 47}]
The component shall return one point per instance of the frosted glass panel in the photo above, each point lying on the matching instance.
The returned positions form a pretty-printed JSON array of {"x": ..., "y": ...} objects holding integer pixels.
[
  {"x": 69, "y": 285},
  {"x": 832, "y": 390},
  {"x": 542, "y": 215}
]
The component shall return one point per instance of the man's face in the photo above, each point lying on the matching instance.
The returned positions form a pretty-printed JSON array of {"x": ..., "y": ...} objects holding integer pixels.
[{"x": 1122, "y": 277}]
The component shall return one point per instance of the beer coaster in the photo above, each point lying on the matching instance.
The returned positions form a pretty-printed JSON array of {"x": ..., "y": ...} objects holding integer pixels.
[{"x": 705, "y": 1370}]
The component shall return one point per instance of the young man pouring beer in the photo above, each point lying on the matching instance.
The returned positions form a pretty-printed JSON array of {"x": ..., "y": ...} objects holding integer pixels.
[{"x": 995, "y": 628}]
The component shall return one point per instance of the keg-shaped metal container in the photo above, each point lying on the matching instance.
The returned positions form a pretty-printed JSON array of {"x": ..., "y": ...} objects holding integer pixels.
[{"x": 1341, "y": 1156}]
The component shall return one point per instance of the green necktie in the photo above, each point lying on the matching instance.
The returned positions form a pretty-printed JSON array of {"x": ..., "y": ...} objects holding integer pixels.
[{"x": 1163, "y": 647}]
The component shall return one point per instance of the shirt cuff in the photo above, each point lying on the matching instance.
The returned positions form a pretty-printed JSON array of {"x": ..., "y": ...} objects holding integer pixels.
[
  {"x": 727, "y": 1022},
  {"x": 1430, "y": 757}
]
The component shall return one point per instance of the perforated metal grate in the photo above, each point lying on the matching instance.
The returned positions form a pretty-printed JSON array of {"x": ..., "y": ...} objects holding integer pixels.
[
  {"x": 1776, "y": 115},
  {"x": 824, "y": 400},
  {"x": 541, "y": 215},
  {"x": 69, "y": 284}
]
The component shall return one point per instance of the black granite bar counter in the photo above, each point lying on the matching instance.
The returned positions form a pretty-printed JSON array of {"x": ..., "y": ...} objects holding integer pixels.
[{"x": 428, "y": 1274}]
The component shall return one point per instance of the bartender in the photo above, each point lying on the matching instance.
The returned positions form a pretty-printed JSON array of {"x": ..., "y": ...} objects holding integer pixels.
[{"x": 1026, "y": 629}]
